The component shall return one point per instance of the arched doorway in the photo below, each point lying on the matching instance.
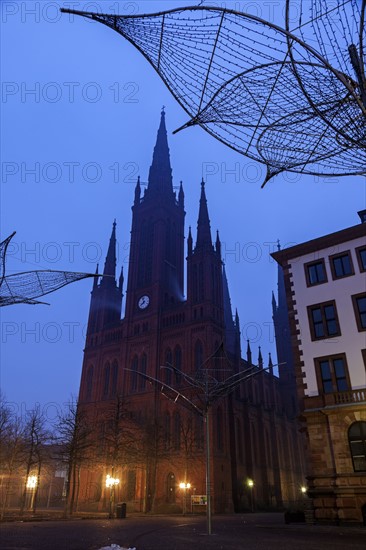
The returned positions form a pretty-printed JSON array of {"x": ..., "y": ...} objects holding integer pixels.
[{"x": 170, "y": 486}]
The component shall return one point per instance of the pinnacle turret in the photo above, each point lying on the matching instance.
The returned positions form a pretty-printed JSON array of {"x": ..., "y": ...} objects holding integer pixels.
[
  {"x": 109, "y": 272},
  {"x": 160, "y": 174},
  {"x": 203, "y": 225}
]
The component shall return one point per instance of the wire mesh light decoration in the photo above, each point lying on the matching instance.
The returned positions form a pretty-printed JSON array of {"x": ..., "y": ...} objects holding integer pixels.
[
  {"x": 292, "y": 97},
  {"x": 25, "y": 288}
]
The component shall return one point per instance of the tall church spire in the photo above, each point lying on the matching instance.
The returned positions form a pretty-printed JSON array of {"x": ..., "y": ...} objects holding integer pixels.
[
  {"x": 203, "y": 224},
  {"x": 111, "y": 260},
  {"x": 160, "y": 174}
]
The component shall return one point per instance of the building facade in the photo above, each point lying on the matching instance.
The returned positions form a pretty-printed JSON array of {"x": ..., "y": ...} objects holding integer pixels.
[
  {"x": 326, "y": 295},
  {"x": 178, "y": 323}
]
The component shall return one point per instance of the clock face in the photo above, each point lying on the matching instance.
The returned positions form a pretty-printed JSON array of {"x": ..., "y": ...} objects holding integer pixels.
[{"x": 143, "y": 302}]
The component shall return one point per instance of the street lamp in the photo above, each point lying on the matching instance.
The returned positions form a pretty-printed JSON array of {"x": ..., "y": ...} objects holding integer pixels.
[
  {"x": 32, "y": 482},
  {"x": 184, "y": 487},
  {"x": 250, "y": 484},
  {"x": 111, "y": 483}
]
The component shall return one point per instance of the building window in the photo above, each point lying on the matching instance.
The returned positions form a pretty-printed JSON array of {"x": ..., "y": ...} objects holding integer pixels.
[
  {"x": 332, "y": 374},
  {"x": 341, "y": 265},
  {"x": 178, "y": 364},
  {"x": 134, "y": 375},
  {"x": 219, "y": 430},
  {"x": 198, "y": 355},
  {"x": 359, "y": 305},
  {"x": 114, "y": 378},
  {"x": 106, "y": 377},
  {"x": 89, "y": 382},
  {"x": 142, "y": 379},
  {"x": 315, "y": 273},
  {"x": 323, "y": 321},
  {"x": 167, "y": 431},
  {"x": 357, "y": 444},
  {"x": 168, "y": 367},
  {"x": 361, "y": 257},
  {"x": 176, "y": 433}
]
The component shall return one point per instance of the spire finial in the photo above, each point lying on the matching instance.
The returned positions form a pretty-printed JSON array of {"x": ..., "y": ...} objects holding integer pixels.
[{"x": 278, "y": 244}]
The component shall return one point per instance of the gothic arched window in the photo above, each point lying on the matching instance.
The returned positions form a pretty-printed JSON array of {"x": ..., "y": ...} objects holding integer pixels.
[
  {"x": 114, "y": 377},
  {"x": 177, "y": 427},
  {"x": 167, "y": 431},
  {"x": 168, "y": 366},
  {"x": 357, "y": 444},
  {"x": 89, "y": 381},
  {"x": 219, "y": 430},
  {"x": 198, "y": 355},
  {"x": 142, "y": 384},
  {"x": 134, "y": 375},
  {"x": 106, "y": 377},
  {"x": 178, "y": 364}
]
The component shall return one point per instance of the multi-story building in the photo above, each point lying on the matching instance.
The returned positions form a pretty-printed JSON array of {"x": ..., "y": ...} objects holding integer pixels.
[
  {"x": 326, "y": 294},
  {"x": 171, "y": 330}
]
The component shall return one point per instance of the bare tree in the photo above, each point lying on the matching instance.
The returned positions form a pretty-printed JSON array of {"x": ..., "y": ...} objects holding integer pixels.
[
  {"x": 36, "y": 436},
  {"x": 11, "y": 450},
  {"x": 74, "y": 436}
]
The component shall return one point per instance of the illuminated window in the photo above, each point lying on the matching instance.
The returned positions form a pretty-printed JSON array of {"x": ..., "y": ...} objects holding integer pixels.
[
  {"x": 323, "y": 321},
  {"x": 357, "y": 444}
]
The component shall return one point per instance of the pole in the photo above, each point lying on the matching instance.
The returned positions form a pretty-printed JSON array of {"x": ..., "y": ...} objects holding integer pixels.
[{"x": 208, "y": 473}]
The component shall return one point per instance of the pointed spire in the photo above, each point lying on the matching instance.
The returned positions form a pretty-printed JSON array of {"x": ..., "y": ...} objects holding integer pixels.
[
  {"x": 249, "y": 353},
  {"x": 111, "y": 260},
  {"x": 138, "y": 191},
  {"x": 230, "y": 329},
  {"x": 218, "y": 244},
  {"x": 181, "y": 195},
  {"x": 260, "y": 358},
  {"x": 121, "y": 280},
  {"x": 95, "y": 280},
  {"x": 190, "y": 242},
  {"x": 237, "y": 322},
  {"x": 270, "y": 364},
  {"x": 203, "y": 224},
  {"x": 160, "y": 175}
]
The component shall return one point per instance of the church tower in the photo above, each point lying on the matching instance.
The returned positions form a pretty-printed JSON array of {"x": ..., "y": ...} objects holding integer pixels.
[
  {"x": 135, "y": 367},
  {"x": 156, "y": 270}
]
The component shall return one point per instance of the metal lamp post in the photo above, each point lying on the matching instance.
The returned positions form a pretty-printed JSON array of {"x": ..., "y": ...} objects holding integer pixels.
[
  {"x": 111, "y": 483},
  {"x": 184, "y": 486},
  {"x": 250, "y": 484},
  {"x": 32, "y": 482},
  {"x": 208, "y": 391}
]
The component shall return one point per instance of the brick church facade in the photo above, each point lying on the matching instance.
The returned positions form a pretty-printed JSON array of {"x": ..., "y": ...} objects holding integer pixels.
[{"x": 149, "y": 442}]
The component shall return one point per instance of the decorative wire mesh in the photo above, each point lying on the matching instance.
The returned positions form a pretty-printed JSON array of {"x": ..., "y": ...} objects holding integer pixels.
[
  {"x": 25, "y": 288},
  {"x": 291, "y": 97}
]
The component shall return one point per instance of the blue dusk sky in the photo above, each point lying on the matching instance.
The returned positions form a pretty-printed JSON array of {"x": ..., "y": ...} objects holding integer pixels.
[{"x": 80, "y": 112}]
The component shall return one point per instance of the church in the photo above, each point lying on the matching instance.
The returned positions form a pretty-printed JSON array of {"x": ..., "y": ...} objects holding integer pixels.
[{"x": 178, "y": 337}]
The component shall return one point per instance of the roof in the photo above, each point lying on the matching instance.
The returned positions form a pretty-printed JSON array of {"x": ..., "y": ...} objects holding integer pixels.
[{"x": 326, "y": 241}]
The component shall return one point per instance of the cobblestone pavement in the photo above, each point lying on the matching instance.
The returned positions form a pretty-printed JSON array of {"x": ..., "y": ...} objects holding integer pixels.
[{"x": 234, "y": 532}]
